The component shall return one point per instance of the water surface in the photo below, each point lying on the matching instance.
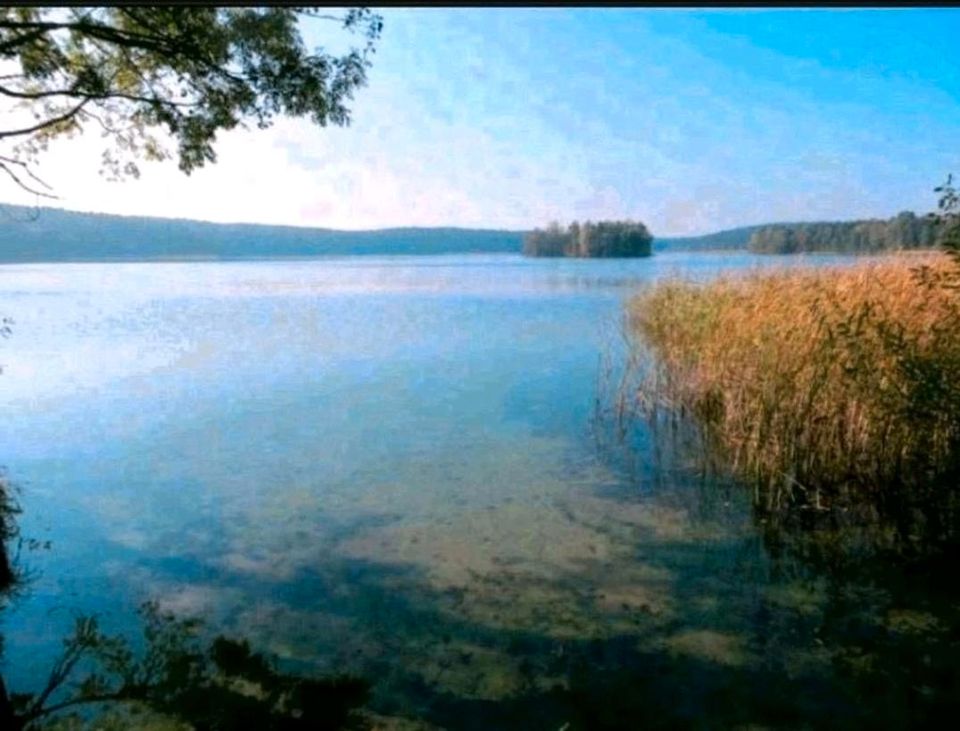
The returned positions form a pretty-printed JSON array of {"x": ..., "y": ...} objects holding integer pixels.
[{"x": 390, "y": 466}]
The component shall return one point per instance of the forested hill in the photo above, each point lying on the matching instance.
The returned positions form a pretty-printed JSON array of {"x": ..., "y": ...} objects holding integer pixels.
[
  {"x": 54, "y": 234},
  {"x": 51, "y": 234},
  {"x": 734, "y": 238},
  {"x": 905, "y": 231}
]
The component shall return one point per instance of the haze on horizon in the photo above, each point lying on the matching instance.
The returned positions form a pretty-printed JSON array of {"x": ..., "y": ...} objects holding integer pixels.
[{"x": 692, "y": 121}]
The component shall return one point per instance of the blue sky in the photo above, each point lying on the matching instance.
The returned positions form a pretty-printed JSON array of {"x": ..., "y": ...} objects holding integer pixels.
[{"x": 692, "y": 121}]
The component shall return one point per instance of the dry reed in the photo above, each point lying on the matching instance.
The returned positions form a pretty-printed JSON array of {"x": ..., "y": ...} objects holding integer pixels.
[{"x": 815, "y": 383}]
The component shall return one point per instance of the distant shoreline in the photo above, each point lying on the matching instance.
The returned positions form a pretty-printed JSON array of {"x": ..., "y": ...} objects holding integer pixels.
[
  {"x": 31, "y": 235},
  {"x": 585, "y": 261}
]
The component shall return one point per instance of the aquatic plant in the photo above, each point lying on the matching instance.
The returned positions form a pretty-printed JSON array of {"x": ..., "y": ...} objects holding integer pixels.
[{"x": 816, "y": 385}]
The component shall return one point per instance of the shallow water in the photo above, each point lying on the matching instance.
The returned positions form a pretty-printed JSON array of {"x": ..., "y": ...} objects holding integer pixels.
[{"x": 390, "y": 466}]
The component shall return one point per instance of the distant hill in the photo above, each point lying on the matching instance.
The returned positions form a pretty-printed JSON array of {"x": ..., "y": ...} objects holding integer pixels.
[
  {"x": 734, "y": 238},
  {"x": 52, "y": 234}
]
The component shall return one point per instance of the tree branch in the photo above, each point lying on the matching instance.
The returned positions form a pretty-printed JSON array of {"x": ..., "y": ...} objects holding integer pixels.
[
  {"x": 58, "y": 674},
  {"x": 193, "y": 72},
  {"x": 12, "y": 43},
  {"x": 311, "y": 13},
  {"x": 103, "y": 125},
  {"x": 34, "y": 714},
  {"x": 26, "y": 169},
  {"x": 46, "y": 123},
  {"x": 77, "y": 94},
  {"x": 8, "y": 171},
  {"x": 94, "y": 30}
]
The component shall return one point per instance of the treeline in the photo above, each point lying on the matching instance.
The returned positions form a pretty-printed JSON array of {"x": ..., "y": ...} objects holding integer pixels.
[
  {"x": 601, "y": 239},
  {"x": 905, "y": 231}
]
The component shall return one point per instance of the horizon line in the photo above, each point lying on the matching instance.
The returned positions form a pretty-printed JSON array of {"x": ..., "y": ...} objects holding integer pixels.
[{"x": 4, "y": 204}]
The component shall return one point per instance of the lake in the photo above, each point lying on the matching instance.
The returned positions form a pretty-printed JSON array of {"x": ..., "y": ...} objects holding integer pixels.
[{"x": 393, "y": 466}]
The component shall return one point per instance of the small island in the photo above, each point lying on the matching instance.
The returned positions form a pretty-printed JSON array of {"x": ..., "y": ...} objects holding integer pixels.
[{"x": 600, "y": 239}]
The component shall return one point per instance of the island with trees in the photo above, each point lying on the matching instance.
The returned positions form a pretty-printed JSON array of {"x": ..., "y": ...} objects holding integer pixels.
[{"x": 600, "y": 239}]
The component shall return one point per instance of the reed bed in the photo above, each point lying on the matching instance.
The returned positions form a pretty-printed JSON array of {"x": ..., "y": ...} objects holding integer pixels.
[{"x": 815, "y": 383}]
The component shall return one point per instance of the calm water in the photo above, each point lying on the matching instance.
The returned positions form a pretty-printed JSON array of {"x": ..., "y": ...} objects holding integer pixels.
[{"x": 390, "y": 466}]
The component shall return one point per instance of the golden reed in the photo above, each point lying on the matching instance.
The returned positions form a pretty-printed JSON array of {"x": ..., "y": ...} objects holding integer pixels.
[{"x": 815, "y": 382}]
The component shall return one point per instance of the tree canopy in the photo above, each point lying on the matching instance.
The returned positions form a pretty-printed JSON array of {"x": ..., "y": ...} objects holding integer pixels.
[
  {"x": 904, "y": 231},
  {"x": 188, "y": 71}
]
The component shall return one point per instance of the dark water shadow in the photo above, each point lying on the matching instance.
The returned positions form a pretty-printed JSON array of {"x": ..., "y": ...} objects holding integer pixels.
[
  {"x": 865, "y": 589},
  {"x": 737, "y": 636}
]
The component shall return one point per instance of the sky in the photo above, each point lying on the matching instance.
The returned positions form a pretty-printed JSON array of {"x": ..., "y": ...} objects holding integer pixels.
[{"x": 691, "y": 121}]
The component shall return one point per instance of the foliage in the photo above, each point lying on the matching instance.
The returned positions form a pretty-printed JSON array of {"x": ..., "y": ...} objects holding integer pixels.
[
  {"x": 221, "y": 686},
  {"x": 601, "y": 239},
  {"x": 949, "y": 218},
  {"x": 189, "y": 71},
  {"x": 904, "y": 231}
]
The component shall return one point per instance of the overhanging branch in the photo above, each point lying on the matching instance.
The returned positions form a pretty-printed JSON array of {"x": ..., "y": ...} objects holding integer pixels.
[
  {"x": 16, "y": 179},
  {"x": 107, "y": 33},
  {"x": 46, "y": 123},
  {"x": 37, "y": 713},
  {"x": 77, "y": 94},
  {"x": 26, "y": 169}
]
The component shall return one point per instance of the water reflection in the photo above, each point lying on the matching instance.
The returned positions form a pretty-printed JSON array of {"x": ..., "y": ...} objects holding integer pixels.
[{"x": 854, "y": 604}]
